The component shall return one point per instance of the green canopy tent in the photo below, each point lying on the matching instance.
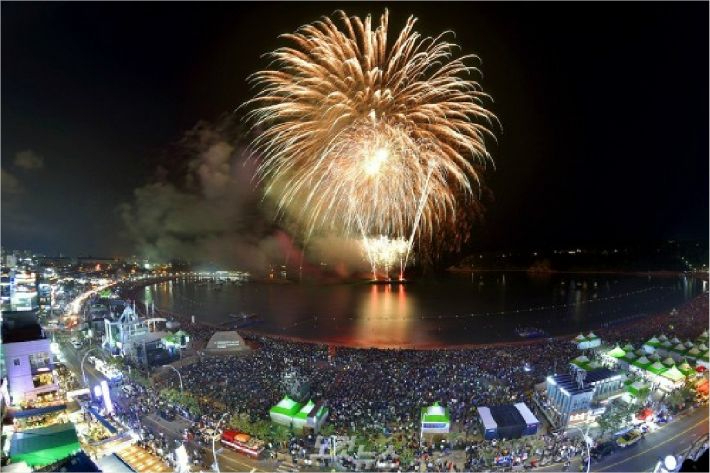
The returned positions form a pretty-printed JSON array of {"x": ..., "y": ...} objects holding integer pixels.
[
  {"x": 44, "y": 446},
  {"x": 435, "y": 419},
  {"x": 653, "y": 342},
  {"x": 686, "y": 369},
  {"x": 636, "y": 387},
  {"x": 617, "y": 352},
  {"x": 657, "y": 368},
  {"x": 673, "y": 374},
  {"x": 581, "y": 362},
  {"x": 693, "y": 353},
  {"x": 630, "y": 357},
  {"x": 283, "y": 412},
  {"x": 642, "y": 363},
  {"x": 300, "y": 418},
  {"x": 669, "y": 362}
]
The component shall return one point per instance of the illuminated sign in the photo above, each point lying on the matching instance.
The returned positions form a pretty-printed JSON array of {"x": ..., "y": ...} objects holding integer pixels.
[{"x": 107, "y": 397}]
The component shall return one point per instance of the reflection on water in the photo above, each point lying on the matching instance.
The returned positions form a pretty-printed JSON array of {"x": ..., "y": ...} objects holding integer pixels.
[
  {"x": 457, "y": 309},
  {"x": 386, "y": 316}
]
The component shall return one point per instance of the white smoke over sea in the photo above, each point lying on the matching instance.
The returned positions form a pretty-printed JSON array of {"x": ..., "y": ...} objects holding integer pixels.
[{"x": 204, "y": 207}]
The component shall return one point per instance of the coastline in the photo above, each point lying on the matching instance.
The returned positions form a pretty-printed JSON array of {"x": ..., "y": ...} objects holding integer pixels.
[
  {"x": 469, "y": 346},
  {"x": 185, "y": 320}
]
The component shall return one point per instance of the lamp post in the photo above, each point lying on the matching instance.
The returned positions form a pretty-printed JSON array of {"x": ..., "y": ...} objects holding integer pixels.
[
  {"x": 83, "y": 373},
  {"x": 214, "y": 439},
  {"x": 178, "y": 373},
  {"x": 587, "y": 442}
]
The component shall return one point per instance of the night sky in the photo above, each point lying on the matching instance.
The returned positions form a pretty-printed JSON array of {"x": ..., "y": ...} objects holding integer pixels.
[{"x": 604, "y": 108}]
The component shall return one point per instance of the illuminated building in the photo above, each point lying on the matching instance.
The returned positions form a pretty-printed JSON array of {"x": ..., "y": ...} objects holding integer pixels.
[
  {"x": 28, "y": 361},
  {"x": 19, "y": 290}
]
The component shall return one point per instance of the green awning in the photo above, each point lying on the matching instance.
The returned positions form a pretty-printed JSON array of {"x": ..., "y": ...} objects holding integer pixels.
[
  {"x": 686, "y": 369},
  {"x": 673, "y": 374},
  {"x": 286, "y": 406},
  {"x": 616, "y": 352},
  {"x": 305, "y": 410},
  {"x": 636, "y": 387},
  {"x": 657, "y": 368},
  {"x": 44, "y": 446}
]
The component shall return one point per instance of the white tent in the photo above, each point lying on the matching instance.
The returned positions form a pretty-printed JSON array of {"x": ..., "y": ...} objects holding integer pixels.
[{"x": 226, "y": 343}]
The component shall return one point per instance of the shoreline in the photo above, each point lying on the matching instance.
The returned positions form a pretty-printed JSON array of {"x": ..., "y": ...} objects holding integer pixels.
[{"x": 354, "y": 344}]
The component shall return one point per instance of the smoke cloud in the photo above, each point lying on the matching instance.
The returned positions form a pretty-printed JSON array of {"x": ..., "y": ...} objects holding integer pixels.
[{"x": 204, "y": 207}]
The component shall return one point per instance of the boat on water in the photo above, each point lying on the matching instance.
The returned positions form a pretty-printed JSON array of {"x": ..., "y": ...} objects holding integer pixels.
[{"x": 530, "y": 332}]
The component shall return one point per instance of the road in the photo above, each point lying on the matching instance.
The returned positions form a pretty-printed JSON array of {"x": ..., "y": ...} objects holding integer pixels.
[{"x": 671, "y": 439}]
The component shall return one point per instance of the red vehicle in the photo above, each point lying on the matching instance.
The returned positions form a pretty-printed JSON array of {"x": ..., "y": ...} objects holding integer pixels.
[{"x": 242, "y": 443}]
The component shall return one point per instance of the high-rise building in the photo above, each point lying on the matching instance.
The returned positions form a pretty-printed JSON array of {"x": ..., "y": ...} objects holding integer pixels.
[{"x": 28, "y": 360}]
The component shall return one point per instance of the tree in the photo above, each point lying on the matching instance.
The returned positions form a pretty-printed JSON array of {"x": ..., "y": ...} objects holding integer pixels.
[
  {"x": 327, "y": 430},
  {"x": 643, "y": 394},
  {"x": 616, "y": 416},
  {"x": 680, "y": 397},
  {"x": 279, "y": 434}
]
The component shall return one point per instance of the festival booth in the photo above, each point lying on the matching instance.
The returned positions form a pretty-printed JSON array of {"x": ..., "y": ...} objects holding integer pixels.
[
  {"x": 44, "y": 446},
  {"x": 652, "y": 345},
  {"x": 312, "y": 416},
  {"x": 686, "y": 369},
  {"x": 435, "y": 420},
  {"x": 226, "y": 343},
  {"x": 639, "y": 365},
  {"x": 627, "y": 360},
  {"x": 672, "y": 378},
  {"x": 531, "y": 422},
  {"x": 636, "y": 390},
  {"x": 283, "y": 412},
  {"x": 580, "y": 363},
  {"x": 488, "y": 424},
  {"x": 507, "y": 422},
  {"x": 587, "y": 342},
  {"x": 177, "y": 340},
  {"x": 614, "y": 355},
  {"x": 299, "y": 416}
]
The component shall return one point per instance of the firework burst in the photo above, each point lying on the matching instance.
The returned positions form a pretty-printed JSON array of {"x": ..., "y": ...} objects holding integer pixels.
[{"x": 363, "y": 137}]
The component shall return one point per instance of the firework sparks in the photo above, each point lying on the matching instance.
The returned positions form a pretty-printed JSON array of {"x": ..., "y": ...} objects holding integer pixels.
[{"x": 363, "y": 137}]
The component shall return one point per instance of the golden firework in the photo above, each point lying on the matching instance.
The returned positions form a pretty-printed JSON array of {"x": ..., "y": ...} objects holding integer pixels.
[{"x": 361, "y": 136}]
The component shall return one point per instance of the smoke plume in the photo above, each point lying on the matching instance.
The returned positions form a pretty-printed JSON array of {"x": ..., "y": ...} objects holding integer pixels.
[{"x": 204, "y": 207}]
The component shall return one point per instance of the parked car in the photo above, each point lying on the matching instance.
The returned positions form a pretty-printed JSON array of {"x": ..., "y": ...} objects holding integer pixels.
[
  {"x": 602, "y": 450},
  {"x": 630, "y": 438}
]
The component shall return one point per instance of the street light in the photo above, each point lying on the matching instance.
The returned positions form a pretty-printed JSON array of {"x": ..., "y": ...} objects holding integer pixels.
[
  {"x": 214, "y": 439},
  {"x": 587, "y": 442},
  {"x": 178, "y": 373}
]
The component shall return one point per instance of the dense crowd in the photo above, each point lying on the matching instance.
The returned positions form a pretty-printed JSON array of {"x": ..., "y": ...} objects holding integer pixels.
[
  {"x": 385, "y": 389},
  {"x": 684, "y": 323},
  {"x": 382, "y": 391}
]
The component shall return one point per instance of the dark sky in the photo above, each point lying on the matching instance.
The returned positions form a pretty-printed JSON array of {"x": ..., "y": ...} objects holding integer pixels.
[{"x": 604, "y": 108}]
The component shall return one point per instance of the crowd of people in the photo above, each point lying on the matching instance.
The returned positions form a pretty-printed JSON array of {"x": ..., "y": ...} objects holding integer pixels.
[{"x": 382, "y": 391}]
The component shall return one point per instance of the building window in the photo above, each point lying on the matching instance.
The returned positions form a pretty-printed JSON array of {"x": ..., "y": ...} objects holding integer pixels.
[
  {"x": 39, "y": 361},
  {"x": 16, "y": 362},
  {"x": 43, "y": 379}
]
